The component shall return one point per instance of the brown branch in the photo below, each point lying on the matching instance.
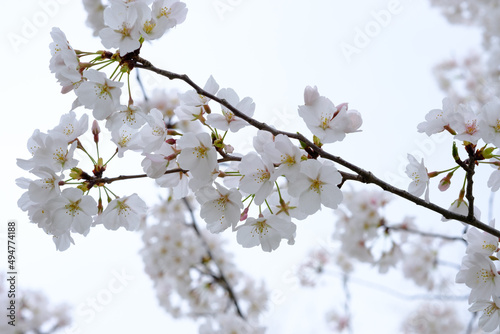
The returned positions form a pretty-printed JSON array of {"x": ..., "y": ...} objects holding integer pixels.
[
  {"x": 422, "y": 233},
  {"x": 364, "y": 176},
  {"x": 221, "y": 278}
]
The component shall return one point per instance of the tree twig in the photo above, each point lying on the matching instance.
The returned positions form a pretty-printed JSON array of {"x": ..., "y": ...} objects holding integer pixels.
[{"x": 363, "y": 176}]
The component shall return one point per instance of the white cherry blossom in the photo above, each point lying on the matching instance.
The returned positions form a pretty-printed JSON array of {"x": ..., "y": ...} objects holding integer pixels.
[
  {"x": 193, "y": 105},
  {"x": 258, "y": 176},
  {"x": 317, "y": 184},
  {"x": 490, "y": 319},
  {"x": 327, "y": 122},
  {"x": 99, "y": 93},
  {"x": 480, "y": 242},
  {"x": 197, "y": 155},
  {"x": 154, "y": 132},
  {"x": 490, "y": 122},
  {"x": 266, "y": 231},
  {"x": 437, "y": 120},
  {"x": 64, "y": 62},
  {"x": 418, "y": 173},
  {"x": 69, "y": 127},
  {"x": 220, "y": 207},
  {"x": 227, "y": 121},
  {"x": 72, "y": 211},
  {"x": 126, "y": 212}
]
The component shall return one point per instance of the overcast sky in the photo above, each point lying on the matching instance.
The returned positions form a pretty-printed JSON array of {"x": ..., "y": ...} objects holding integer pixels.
[{"x": 269, "y": 50}]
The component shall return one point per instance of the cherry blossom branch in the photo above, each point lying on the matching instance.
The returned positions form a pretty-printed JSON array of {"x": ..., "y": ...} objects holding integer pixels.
[
  {"x": 424, "y": 234},
  {"x": 388, "y": 290},
  {"x": 221, "y": 278},
  {"x": 364, "y": 176},
  {"x": 469, "y": 191}
]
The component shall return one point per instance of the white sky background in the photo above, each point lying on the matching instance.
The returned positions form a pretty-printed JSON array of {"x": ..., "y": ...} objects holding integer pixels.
[{"x": 268, "y": 50}]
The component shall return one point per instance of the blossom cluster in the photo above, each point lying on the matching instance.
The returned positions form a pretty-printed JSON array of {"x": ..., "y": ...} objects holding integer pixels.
[
  {"x": 60, "y": 212},
  {"x": 195, "y": 277},
  {"x": 34, "y": 312},
  {"x": 469, "y": 127},
  {"x": 126, "y": 24},
  {"x": 480, "y": 273},
  {"x": 185, "y": 148}
]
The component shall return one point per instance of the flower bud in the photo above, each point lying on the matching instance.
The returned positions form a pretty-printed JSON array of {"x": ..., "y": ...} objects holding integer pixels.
[
  {"x": 244, "y": 215},
  {"x": 76, "y": 173},
  {"x": 487, "y": 153},
  {"x": 445, "y": 183},
  {"x": 95, "y": 131},
  {"x": 310, "y": 95},
  {"x": 171, "y": 141},
  {"x": 454, "y": 152}
]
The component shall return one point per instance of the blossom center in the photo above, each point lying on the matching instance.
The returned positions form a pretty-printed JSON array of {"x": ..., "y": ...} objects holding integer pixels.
[
  {"x": 201, "y": 151},
  {"x": 316, "y": 185},
  {"x": 72, "y": 208},
  {"x": 165, "y": 11},
  {"x": 149, "y": 26},
  {"x": 261, "y": 227},
  {"x": 471, "y": 127}
]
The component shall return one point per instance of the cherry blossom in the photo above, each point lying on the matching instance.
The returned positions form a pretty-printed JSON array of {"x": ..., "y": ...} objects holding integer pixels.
[
  {"x": 266, "y": 231},
  {"x": 72, "y": 211},
  {"x": 490, "y": 122},
  {"x": 490, "y": 319},
  {"x": 123, "y": 23},
  {"x": 54, "y": 153},
  {"x": 480, "y": 274},
  {"x": 437, "y": 120},
  {"x": 99, "y": 94},
  {"x": 46, "y": 188},
  {"x": 465, "y": 122},
  {"x": 320, "y": 116},
  {"x": 227, "y": 121},
  {"x": 258, "y": 176},
  {"x": 317, "y": 184},
  {"x": 282, "y": 151},
  {"x": 193, "y": 105},
  {"x": 418, "y": 173},
  {"x": 125, "y": 211},
  {"x": 64, "y": 62},
  {"x": 494, "y": 179},
  {"x": 125, "y": 139},
  {"x": 197, "y": 154},
  {"x": 479, "y": 242},
  {"x": 220, "y": 207},
  {"x": 154, "y": 132},
  {"x": 69, "y": 127},
  {"x": 132, "y": 116}
]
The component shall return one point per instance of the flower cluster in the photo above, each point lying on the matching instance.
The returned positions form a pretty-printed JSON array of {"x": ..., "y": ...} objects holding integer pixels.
[
  {"x": 126, "y": 24},
  {"x": 469, "y": 127},
  {"x": 480, "y": 273},
  {"x": 288, "y": 180},
  {"x": 194, "y": 276},
  {"x": 437, "y": 317},
  {"x": 34, "y": 312},
  {"x": 60, "y": 212}
]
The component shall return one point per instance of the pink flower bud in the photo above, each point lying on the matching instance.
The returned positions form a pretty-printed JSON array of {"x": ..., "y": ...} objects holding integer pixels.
[
  {"x": 445, "y": 183},
  {"x": 310, "y": 95},
  {"x": 244, "y": 215},
  {"x": 96, "y": 130}
]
